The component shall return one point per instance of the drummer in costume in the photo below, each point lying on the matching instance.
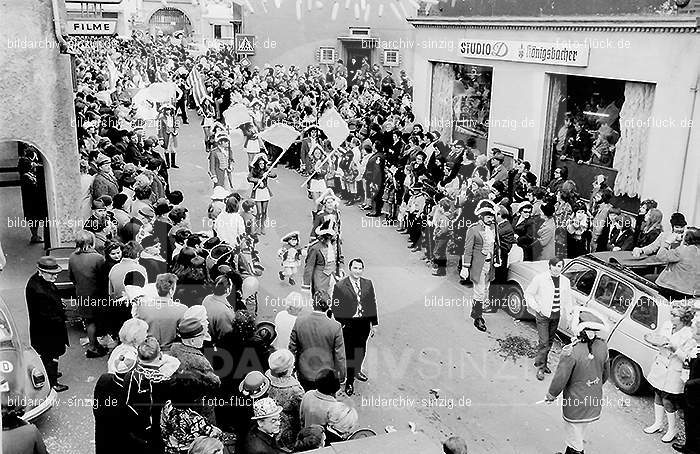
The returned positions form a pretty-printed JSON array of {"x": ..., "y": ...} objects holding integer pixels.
[
  {"x": 221, "y": 161},
  {"x": 168, "y": 128},
  {"x": 261, "y": 194},
  {"x": 322, "y": 268},
  {"x": 481, "y": 258},
  {"x": 291, "y": 254},
  {"x": 583, "y": 369}
]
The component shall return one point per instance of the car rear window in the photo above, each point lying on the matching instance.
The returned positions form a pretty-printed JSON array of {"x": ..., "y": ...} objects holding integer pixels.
[{"x": 646, "y": 312}]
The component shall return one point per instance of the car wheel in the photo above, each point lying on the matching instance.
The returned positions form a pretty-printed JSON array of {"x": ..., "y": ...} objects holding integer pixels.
[
  {"x": 515, "y": 302},
  {"x": 627, "y": 375}
]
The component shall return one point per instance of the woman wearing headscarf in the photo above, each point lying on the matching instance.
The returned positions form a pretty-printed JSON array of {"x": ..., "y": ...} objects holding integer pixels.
[
  {"x": 286, "y": 391},
  {"x": 676, "y": 344},
  {"x": 651, "y": 228},
  {"x": 109, "y": 405}
]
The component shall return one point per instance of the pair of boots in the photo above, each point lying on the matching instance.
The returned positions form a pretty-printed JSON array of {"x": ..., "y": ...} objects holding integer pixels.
[
  {"x": 672, "y": 430},
  {"x": 439, "y": 267},
  {"x": 170, "y": 161}
]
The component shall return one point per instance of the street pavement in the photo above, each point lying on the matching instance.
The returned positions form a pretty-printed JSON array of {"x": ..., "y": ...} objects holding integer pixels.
[{"x": 427, "y": 364}]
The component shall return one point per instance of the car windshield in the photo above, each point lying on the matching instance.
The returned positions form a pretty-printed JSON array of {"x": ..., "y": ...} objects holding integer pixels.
[{"x": 5, "y": 330}]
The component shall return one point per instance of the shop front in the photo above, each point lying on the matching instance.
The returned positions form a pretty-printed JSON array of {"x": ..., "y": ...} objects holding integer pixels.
[{"x": 598, "y": 96}]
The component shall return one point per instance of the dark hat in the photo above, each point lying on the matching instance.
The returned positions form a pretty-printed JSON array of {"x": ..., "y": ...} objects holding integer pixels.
[
  {"x": 498, "y": 156},
  {"x": 189, "y": 328},
  {"x": 162, "y": 206},
  {"x": 211, "y": 243},
  {"x": 107, "y": 200},
  {"x": 98, "y": 204},
  {"x": 48, "y": 264},
  {"x": 266, "y": 331},
  {"x": 147, "y": 211},
  {"x": 178, "y": 211},
  {"x": 150, "y": 240},
  {"x": 102, "y": 160}
]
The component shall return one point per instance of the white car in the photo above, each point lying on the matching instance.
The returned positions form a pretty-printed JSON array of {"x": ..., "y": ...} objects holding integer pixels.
[{"x": 613, "y": 284}]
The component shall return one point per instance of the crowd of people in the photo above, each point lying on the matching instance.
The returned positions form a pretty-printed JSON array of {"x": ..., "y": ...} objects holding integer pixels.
[{"x": 190, "y": 367}]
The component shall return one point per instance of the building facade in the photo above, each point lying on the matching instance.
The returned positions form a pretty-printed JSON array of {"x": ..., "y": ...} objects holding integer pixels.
[
  {"x": 522, "y": 84},
  {"x": 37, "y": 110}
]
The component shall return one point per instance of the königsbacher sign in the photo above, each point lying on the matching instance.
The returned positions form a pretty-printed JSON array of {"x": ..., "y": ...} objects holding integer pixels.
[{"x": 546, "y": 53}]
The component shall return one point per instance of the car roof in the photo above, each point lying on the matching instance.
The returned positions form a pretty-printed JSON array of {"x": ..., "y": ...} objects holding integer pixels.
[{"x": 614, "y": 267}]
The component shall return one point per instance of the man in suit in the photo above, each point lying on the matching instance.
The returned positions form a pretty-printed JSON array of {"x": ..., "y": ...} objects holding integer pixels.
[
  {"x": 609, "y": 231},
  {"x": 481, "y": 258},
  {"x": 355, "y": 307},
  {"x": 317, "y": 343}
]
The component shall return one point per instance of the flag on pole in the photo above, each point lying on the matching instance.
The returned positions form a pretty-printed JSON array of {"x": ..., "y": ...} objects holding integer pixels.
[
  {"x": 280, "y": 135},
  {"x": 199, "y": 91},
  {"x": 237, "y": 115},
  {"x": 113, "y": 73},
  {"x": 334, "y": 126}
]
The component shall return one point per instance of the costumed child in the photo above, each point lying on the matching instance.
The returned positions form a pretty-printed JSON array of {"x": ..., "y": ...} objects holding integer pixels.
[{"x": 291, "y": 254}]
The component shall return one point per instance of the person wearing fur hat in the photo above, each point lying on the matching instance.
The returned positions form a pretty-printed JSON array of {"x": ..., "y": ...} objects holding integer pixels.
[
  {"x": 168, "y": 128},
  {"x": 291, "y": 254},
  {"x": 481, "y": 258},
  {"x": 583, "y": 369},
  {"x": 262, "y": 438},
  {"x": 261, "y": 193},
  {"x": 221, "y": 161}
]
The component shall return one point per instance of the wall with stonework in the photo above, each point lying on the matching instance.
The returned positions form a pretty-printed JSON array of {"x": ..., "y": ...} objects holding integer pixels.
[{"x": 37, "y": 104}]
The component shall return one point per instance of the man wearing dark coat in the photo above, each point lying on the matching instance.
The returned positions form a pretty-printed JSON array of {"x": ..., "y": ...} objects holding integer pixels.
[
  {"x": 355, "y": 308},
  {"x": 105, "y": 183},
  {"x": 506, "y": 238},
  {"x": 691, "y": 410},
  {"x": 375, "y": 174},
  {"x": 47, "y": 318}
]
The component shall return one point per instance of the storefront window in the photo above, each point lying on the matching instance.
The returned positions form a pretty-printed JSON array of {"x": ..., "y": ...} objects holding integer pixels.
[
  {"x": 467, "y": 114},
  {"x": 585, "y": 133}
]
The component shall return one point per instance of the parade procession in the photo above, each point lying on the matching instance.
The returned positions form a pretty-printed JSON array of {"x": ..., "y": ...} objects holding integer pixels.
[{"x": 350, "y": 226}]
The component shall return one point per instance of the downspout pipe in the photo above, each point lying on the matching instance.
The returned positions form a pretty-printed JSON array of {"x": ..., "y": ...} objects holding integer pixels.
[
  {"x": 63, "y": 45},
  {"x": 695, "y": 90}
]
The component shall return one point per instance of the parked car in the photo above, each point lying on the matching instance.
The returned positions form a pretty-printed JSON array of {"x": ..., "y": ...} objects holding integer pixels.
[
  {"x": 614, "y": 284},
  {"x": 21, "y": 369}
]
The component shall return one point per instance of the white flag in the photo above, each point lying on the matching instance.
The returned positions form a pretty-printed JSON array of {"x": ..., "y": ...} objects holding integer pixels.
[{"x": 334, "y": 126}]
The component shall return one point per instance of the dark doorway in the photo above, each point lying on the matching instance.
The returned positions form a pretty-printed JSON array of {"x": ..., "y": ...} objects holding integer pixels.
[{"x": 354, "y": 61}]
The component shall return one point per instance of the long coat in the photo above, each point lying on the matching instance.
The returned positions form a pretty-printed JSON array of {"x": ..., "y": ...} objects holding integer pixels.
[
  {"x": 104, "y": 184},
  {"x": 473, "y": 256},
  {"x": 109, "y": 409},
  {"x": 544, "y": 246},
  {"x": 47, "y": 317},
  {"x": 581, "y": 379},
  {"x": 314, "y": 277}
]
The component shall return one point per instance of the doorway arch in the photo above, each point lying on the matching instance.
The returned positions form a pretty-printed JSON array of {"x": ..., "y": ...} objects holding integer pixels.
[{"x": 169, "y": 20}]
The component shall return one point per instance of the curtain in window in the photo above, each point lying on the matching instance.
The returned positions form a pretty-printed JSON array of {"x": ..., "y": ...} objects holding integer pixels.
[
  {"x": 630, "y": 152},
  {"x": 556, "y": 88},
  {"x": 441, "y": 116}
]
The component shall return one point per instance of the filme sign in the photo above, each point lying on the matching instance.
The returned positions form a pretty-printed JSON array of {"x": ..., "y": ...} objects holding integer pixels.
[
  {"x": 564, "y": 54},
  {"x": 102, "y": 27}
]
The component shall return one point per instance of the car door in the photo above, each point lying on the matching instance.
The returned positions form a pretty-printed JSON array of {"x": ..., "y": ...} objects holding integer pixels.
[
  {"x": 612, "y": 298},
  {"x": 646, "y": 317},
  {"x": 582, "y": 279}
]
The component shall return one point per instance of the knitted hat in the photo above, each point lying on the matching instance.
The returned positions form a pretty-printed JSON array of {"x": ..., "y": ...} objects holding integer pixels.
[
  {"x": 281, "y": 361},
  {"x": 265, "y": 408},
  {"x": 189, "y": 328}
]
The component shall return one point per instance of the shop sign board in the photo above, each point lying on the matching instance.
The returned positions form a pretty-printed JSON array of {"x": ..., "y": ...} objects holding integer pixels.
[
  {"x": 102, "y": 27},
  {"x": 245, "y": 44},
  {"x": 545, "y": 53}
]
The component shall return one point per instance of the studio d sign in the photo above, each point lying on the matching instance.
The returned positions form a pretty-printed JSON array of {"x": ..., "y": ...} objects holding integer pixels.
[
  {"x": 564, "y": 54},
  {"x": 100, "y": 27}
]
